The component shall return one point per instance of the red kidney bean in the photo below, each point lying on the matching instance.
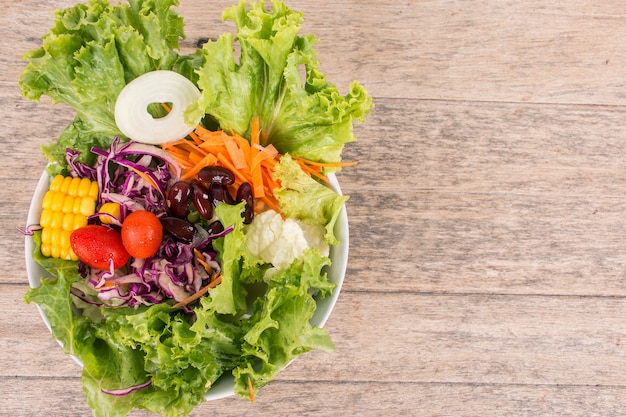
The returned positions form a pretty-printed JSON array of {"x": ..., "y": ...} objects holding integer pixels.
[
  {"x": 202, "y": 200},
  {"x": 178, "y": 196},
  {"x": 179, "y": 228},
  {"x": 216, "y": 175},
  {"x": 215, "y": 227},
  {"x": 244, "y": 193},
  {"x": 219, "y": 193}
]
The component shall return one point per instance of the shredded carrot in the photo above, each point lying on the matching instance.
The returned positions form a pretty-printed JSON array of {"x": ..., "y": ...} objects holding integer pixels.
[
  {"x": 248, "y": 160},
  {"x": 214, "y": 283},
  {"x": 107, "y": 284},
  {"x": 251, "y": 390},
  {"x": 252, "y": 161},
  {"x": 202, "y": 261},
  {"x": 145, "y": 177},
  {"x": 316, "y": 169}
]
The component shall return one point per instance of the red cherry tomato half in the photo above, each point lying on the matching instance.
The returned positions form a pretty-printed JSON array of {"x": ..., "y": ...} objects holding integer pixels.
[
  {"x": 98, "y": 245},
  {"x": 142, "y": 234}
]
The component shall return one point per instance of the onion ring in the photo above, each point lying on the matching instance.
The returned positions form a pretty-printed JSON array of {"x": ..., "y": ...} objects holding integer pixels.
[{"x": 131, "y": 108}]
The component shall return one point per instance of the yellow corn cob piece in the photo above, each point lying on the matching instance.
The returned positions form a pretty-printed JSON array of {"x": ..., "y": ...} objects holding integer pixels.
[{"x": 65, "y": 208}]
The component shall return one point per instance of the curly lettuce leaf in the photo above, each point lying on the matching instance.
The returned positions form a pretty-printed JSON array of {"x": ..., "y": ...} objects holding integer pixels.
[
  {"x": 307, "y": 118},
  {"x": 110, "y": 365},
  {"x": 181, "y": 358},
  {"x": 52, "y": 297},
  {"x": 92, "y": 51},
  {"x": 230, "y": 296},
  {"x": 303, "y": 198},
  {"x": 280, "y": 329}
]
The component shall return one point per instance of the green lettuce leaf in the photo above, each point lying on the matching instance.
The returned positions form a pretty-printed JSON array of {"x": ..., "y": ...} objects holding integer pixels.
[
  {"x": 303, "y": 198},
  {"x": 304, "y": 117},
  {"x": 90, "y": 54},
  {"x": 280, "y": 329},
  {"x": 52, "y": 296},
  {"x": 179, "y": 356},
  {"x": 110, "y": 365},
  {"x": 230, "y": 296}
]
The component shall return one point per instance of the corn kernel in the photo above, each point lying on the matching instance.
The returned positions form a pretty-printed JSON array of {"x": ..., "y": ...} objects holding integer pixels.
[
  {"x": 55, "y": 251},
  {"x": 94, "y": 190},
  {"x": 46, "y": 218},
  {"x": 87, "y": 206},
  {"x": 68, "y": 204},
  {"x": 77, "y": 202},
  {"x": 83, "y": 187},
  {"x": 73, "y": 188},
  {"x": 65, "y": 184},
  {"x": 47, "y": 199},
  {"x": 68, "y": 222},
  {"x": 55, "y": 237},
  {"x": 65, "y": 254},
  {"x": 46, "y": 250},
  {"x": 109, "y": 208},
  {"x": 64, "y": 239},
  {"x": 57, "y": 201},
  {"x": 57, "y": 220},
  {"x": 56, "y": 182},
  {"x": 46, "y": 235},
  {"x": 79, "y": 221}
]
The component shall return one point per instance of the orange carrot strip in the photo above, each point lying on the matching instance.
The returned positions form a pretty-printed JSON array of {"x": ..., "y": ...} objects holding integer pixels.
[
  {"x": 271, "y": 204},
  {"x": 257, "y": 182},
  {"x": 180, "y": 160},
  {"x": 208, "y": 160},
  {"x": 229, "y": 165},
  {"x": 245, "y": 147},
  {"x": 195, "y": 158},
  {"x": 214, "y": 283},
  {"x": 145, "y": 177},
  {"x": 251, "y": 390},
  {"x": 236, "y": 155},
  {"x": 264, "y": 153},
  {"x": 195, "y": 138}
]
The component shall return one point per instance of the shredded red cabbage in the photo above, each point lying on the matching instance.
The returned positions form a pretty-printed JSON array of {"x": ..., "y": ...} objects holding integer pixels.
[
  {"x": 125, "y": 391},
  {"x": 137, "y": 176}
]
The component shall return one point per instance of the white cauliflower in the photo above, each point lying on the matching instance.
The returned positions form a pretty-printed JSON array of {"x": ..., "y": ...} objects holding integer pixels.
[{"x": 279, "y": 242}]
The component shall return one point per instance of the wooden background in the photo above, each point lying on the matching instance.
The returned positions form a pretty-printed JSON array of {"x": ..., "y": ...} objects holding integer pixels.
[{"x": 488, "y": 251}]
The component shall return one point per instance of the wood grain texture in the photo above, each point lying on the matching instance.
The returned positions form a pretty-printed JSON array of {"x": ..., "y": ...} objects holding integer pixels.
[{"x": 487, "y": 236}]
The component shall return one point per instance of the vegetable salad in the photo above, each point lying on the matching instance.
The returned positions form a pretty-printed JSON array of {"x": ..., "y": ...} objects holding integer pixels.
[{"x": 203, "y": 256}]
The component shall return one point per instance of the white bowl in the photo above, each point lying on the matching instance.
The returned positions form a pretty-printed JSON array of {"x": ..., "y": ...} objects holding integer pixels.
[{"x": 223, "y": 387}]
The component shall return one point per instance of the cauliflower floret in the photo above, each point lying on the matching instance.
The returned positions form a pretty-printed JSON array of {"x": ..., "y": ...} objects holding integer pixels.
[{"x": 279, "y": 242}]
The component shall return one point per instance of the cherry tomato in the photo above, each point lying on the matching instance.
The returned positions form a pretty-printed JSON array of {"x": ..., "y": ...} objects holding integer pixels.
[
  {"x": 97, "y": 246},
  {"x": 142, "y": 234}
]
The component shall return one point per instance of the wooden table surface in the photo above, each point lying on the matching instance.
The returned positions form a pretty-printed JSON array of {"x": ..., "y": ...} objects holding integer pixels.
[{"x": 487, "y": 270}]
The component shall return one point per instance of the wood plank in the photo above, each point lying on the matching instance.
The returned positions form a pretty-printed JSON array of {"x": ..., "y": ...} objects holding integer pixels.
[
  {"x": 22, "y": 398},
  {"x": 494, "y": 148},
  {"x": 454, "y": 243}
]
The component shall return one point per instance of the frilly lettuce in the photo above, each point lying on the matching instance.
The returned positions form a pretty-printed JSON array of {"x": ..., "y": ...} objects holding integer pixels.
[
  {"x": 307, "y": 118},
  {"x": 90, "y": 54},
  {"x": 279, "y": 329},
  {"x": 303, "y": 198}
]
